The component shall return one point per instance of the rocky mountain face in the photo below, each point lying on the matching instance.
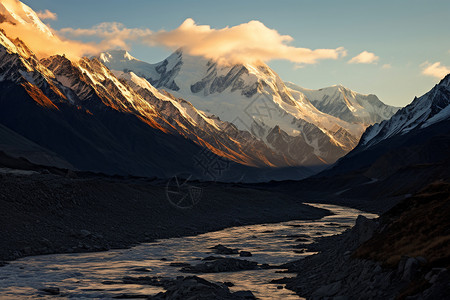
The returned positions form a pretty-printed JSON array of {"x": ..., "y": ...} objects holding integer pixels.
[
  {"x": 416, "y": 134},
  {"x": 429, "y": 109},
  {"x": 255, "y": 99},
  {"x": 88, "y": 129}
]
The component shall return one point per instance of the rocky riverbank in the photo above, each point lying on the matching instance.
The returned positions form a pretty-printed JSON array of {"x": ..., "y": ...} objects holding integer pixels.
[
  {"x": 46, "y": 213},
  {"x": 385, "y": 258}
]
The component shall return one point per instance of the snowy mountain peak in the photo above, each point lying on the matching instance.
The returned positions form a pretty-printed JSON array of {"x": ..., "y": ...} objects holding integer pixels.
[
  {"x": 114, "y": 56},
  {"x": 18, "y": 64},
  {"x": 16, "y": 12}
]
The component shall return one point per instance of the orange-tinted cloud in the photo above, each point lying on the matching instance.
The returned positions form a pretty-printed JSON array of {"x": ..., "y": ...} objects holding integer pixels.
[
  {"x": 44, "y": 45},
  {"x": 47, "y": 15},
  {"x": 20, "y": 21},
  {"x": 247, "y": 42}
]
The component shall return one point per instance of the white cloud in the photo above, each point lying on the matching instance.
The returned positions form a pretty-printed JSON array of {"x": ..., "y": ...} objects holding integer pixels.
[
  {"x": 435, "y": 69},
  {"x": 364, "y": 57},
  {"x": 386, "y": 66},
  {"x": 47, "y": 15}
]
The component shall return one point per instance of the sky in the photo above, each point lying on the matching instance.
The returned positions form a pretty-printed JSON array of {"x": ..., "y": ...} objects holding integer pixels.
[{"x": 393, "y": 49}]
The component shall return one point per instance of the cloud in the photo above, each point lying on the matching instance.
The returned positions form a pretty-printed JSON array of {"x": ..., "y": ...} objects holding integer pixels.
[
  {"x": 435, "y": 70},
  {"x": 386, "y": 66},
  {"x": 47, "y": 15},
  {"x": 112, "y": 34},
  {"x": 364, "y": 58},
  {"x": 43, "y": 44},
  {"x": 20, "y": 21},
  {"x": 246, "y": 42}
]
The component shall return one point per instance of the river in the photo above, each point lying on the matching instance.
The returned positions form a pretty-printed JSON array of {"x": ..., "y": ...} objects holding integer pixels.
[{"x": 80, "y": 275}]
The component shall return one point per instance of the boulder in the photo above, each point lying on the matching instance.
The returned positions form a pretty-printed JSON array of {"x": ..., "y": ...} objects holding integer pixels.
[
  {"x": 179, "y": 264},
  {"x": 411, "y": 269},
  {"x": 245, "y": 254},
  {"x": 221, "y": 249},
  {"x": 141, "y": 270},
  {"x": 193, "y": 287},
  {"x": 244, "y": 295},
  {"x": 51, "y": 291},
  {"x": 365, "y": 228},
  {"x": 221, "y": 265}
]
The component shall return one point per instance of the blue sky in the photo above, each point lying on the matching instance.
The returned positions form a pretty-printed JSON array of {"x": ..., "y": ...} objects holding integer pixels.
[{"x": 403, "y": 34}]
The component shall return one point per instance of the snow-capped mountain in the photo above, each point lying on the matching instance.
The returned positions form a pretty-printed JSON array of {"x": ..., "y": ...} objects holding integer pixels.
[
  {"x": 424, "y": 111},
  {"x": 252, "y": 97},
  {"x": 222, "y": 138},
  {"x": 132, "y": 94},
  {"x": 346, "y": 104},
  {"x": 244, "y": 113},
  {"x": 54, "y": 90}
]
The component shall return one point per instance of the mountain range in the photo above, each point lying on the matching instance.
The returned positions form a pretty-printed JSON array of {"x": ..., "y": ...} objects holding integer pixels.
[
  {"x": 114, "y": 113},
  {"x": 279, "y": 114}
]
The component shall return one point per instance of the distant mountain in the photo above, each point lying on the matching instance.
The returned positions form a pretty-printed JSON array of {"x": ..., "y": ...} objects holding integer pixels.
[
  {"x": 411, "y": 136},
  {"x": 347, "y": 105},
  {"x": 253, "y": 98},
  {"x": 394, "y": 158},
  {"x": 431, "y": 108}
]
